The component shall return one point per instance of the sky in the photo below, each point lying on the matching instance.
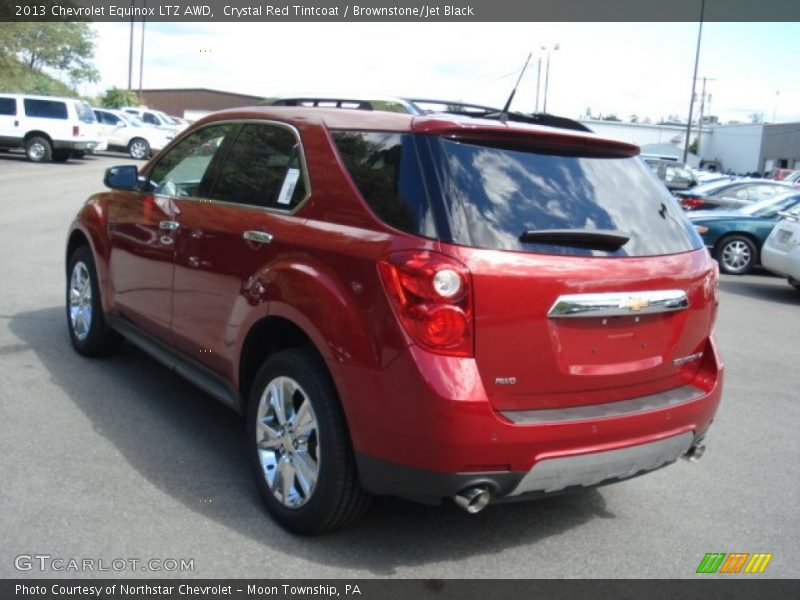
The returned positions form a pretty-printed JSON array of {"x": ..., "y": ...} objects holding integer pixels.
[{"x": 608, "y": 68}]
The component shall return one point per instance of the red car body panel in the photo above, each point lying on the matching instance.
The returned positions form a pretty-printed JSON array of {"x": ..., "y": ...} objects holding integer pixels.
[{"x": 206, "y": 289}]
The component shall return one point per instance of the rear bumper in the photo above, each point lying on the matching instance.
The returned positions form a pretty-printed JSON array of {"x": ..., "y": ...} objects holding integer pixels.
[{"x": 417, "y": 440}]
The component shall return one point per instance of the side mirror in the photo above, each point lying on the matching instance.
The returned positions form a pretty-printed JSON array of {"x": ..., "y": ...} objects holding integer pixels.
[{"x": 123, "y": 177}]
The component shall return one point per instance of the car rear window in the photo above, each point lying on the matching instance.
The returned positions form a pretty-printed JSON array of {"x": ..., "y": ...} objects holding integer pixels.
[
  {"x": 85, "y": 112},
  {"x": 489, "y": 195},
  {"x": 8, "y": 106},
  {"x": 46, "y": 109}
]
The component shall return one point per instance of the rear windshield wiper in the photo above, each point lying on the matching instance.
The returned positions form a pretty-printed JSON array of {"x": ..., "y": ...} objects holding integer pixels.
[{"x": 592, "y": 239}]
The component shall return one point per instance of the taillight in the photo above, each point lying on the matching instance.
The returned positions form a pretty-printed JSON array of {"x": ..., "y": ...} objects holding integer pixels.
[
  {"x": 75, "y": 130},
  {"x": 432, "y": 295},
  {"x": 692, "y": 202}
]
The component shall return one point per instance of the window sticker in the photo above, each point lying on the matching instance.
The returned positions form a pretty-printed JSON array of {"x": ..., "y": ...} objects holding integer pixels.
[{"x": 287, "y": 189}]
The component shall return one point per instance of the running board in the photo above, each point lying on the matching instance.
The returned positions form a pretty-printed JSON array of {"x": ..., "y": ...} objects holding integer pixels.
[{"x": 201, "y": 376}]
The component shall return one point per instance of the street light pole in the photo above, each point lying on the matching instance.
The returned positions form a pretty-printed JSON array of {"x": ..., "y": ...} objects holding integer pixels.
[
  {"x": 130, "y": 55},
  {"x": 141, "y": 57},
  {"x": 538, "y": 81},
  {"x": 547, "y": 76},
  {"x": 694, "y": 81}
]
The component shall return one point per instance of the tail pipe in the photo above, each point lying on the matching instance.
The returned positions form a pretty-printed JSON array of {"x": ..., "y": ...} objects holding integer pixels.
[
  {"x": 695, "y": 453},
  {"x": 474, "y": 499}
]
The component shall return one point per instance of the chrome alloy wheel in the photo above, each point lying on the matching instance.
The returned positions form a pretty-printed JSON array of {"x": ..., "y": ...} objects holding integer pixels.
[
  {"x": 287, "y": 437},
  {"x": 36, "y": 151},
  {"x": 736, "y": 255},
  {"x": 80, "y": 301}
]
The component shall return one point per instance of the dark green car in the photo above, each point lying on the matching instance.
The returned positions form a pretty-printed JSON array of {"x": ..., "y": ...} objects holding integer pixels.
[{"x": 734, "y": 237}]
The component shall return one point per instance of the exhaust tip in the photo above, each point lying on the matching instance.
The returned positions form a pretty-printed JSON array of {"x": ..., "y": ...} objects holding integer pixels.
[
  {"x": 474, "y": 499},
  {"x": 695, "y": 453}
]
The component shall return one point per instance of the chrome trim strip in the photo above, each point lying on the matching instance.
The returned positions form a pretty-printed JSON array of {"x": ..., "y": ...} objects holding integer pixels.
[
  {"x": 617, "y": 304},
  {"x": 554, "y": 474},
  {"x": 623, "y": 408}
]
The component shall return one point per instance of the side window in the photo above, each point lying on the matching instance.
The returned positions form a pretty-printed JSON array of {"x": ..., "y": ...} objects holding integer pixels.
[
  {"x": 263, "y": 168},
  {"x": 180, "y": 172},
  {"x": 8, "y": 106},
  {"x": 46, "y": 109},
  {"x": 150, "y": 119}
]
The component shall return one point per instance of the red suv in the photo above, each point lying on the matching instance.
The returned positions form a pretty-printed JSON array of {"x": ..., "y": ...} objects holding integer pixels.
[{"x": 426, "y": 306}]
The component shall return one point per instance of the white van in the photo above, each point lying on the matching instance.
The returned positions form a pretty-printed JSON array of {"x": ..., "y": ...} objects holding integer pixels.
[{"x": 47, "y": 127}]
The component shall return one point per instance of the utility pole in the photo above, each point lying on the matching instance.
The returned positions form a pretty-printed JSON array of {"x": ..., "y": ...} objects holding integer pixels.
[
  {"x": 702, "y": 107},
  {"x": 141, "y": 57},
  {"x": 130, "y": 55},
  {"x": 538, "y": 81},
  {"x": 694, "y": 81}
]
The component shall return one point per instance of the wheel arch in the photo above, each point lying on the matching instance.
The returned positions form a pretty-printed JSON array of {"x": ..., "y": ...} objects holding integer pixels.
[{"x": 37, "y": 133}]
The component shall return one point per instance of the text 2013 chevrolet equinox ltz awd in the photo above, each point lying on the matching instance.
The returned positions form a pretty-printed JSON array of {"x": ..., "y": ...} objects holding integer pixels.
[{"x": 426, "y": 306}]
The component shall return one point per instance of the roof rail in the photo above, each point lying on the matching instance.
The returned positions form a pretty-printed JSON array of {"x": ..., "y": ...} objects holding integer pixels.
[{"x": 424, "y": 106}]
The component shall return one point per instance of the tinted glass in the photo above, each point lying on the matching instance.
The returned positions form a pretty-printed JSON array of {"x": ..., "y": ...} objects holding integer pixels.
[
  {"x": 180, "y": 171},
  {"x": 85, "y": 112},
  {"x": 107, "y": 118},
  {"x": 385, "y": 168},
  {"x": 47, "y": 109},
  {"x": 150, "y": 119},
  {"x": 493, "y": 195},
  {"x": 262, "y": 168},
  {"x": 8, "y": 106}
]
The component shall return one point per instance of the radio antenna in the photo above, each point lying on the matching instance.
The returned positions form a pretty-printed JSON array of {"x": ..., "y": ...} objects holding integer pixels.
[{"x": 504, "y": 114}]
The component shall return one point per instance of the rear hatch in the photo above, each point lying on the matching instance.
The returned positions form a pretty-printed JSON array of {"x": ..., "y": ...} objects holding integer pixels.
[{"x": 589, "y": 284}]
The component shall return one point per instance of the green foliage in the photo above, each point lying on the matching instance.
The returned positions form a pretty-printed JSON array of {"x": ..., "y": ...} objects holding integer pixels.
[
  {"x": 19, "y": 78},
  {"x": 611, "y": 117},
  {"x": 117, "y": 98},
  {"x": 66, "y": 48}
]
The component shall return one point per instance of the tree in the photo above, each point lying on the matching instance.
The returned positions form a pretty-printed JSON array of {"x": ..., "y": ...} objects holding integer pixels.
[
  {"x": 117, "y": 98},
  {"x": 63, "y": 47},
  {"x": 611, "y": 117}
]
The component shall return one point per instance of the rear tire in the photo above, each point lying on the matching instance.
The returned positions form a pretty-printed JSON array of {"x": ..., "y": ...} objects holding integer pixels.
[
  {"x": 139, "y": 149},
  {"x": 88, "y": 331},
  {"x": 38, "y": 149},
  {"x": 736, "y": 254},
  {"x": 300, "y": 445}
]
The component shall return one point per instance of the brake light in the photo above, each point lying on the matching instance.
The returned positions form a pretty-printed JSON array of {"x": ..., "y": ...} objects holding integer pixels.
[
  {"x": 75, "y": 130},
  {"x": 432, "y": 296},
  {"x": 692, "y": 202}
]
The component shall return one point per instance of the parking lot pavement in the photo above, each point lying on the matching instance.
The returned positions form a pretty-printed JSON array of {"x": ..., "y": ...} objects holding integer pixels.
[{"x": 118, "y": 458}]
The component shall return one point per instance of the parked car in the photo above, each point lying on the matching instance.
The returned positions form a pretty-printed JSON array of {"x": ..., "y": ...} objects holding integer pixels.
[
  {"x": 675, "y": 174},
  {"x": 735, "y": 237},
  {"x": 781, "y": 251},
  {"x": 48, "y": 127},
  {"x": 429, "y": 307},
  {"x": 733, "y": 193},
  {"x": 126, "y": 133},
  {"x": 156, "y": 118}
]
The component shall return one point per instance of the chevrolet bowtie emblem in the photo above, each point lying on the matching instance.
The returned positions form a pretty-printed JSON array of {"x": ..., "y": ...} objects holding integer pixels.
[{"x": 635, "y": 304}]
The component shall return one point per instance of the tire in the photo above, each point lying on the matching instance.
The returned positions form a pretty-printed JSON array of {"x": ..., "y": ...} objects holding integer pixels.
[
  {"x": 61, "y": 155},
  {"x": 86, "y": 322},
  {"x": 38, "y": 149},
  {"x": 736, "y": 254},
  {"x": 139, "y": 149},
  {"x": 297, "y": 380}
]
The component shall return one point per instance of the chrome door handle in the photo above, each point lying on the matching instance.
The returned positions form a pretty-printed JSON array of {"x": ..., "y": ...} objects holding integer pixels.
[
  {"x": 169, "y": 225},
  {"x": 260, "y": 237}
]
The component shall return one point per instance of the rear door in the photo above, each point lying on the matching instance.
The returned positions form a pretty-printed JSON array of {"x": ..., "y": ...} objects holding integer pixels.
[{"x": 228, "y": 243}]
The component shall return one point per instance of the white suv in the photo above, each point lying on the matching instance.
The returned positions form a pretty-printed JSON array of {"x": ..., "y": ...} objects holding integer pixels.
[
  {"x": 155, "y": 118},
  {"x": 127, "y": 133},
  {"x": 48, "y": 128},
  {"x": 781, "y": 251}
]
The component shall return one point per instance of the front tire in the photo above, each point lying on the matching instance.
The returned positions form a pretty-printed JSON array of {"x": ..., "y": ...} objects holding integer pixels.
[
  {"x": 86, "y": 322},
  {"x": 736, "y": 255},
  {"x": 38, "y": 149},
  {"x": 300, "y": 445}
]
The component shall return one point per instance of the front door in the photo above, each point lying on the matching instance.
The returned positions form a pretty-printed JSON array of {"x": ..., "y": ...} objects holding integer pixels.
[{"x": 144, "y": 227}]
